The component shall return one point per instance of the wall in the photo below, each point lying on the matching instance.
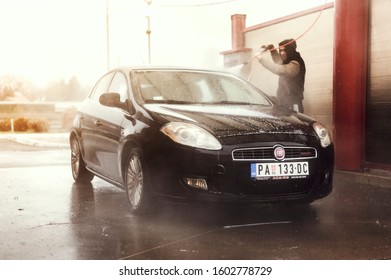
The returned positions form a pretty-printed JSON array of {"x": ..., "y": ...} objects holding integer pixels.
[
  {"x": 378, "y": 131},
  {"x": 316, "y": 48}
]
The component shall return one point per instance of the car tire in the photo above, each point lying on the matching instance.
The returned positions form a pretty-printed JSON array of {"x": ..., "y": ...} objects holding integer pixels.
[
  {"x": 137, "y": 185},
  {"x": 79, "y": 171}
]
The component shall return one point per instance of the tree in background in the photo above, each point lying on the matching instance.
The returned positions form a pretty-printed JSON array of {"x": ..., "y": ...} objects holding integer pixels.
[
  {"x": 65, "y": 91},
  {"x": 17, "y": 89},
  {"x": 6, "y": 93}
]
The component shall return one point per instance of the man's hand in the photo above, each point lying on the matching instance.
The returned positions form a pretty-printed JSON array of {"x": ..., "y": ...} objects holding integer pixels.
[{"x": 267, "y": 47}]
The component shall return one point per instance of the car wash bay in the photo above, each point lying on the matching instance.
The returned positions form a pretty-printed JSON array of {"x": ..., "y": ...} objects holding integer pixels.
[{"x": 348, "y": 81}]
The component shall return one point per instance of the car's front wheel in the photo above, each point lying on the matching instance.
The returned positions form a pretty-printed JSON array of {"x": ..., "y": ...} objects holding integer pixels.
[
  {"x": 79, "y": 170},
  {"x": 137, "y": 184}
]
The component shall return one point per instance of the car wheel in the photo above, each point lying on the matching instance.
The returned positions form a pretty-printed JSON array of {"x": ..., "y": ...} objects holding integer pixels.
[
  {"x": 79, "y": 170},
  {"x": 137, "y": 186}
]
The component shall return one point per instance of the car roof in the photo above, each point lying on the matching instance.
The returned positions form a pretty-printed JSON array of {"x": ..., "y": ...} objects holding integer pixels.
[{"x": 162, "y": 67}]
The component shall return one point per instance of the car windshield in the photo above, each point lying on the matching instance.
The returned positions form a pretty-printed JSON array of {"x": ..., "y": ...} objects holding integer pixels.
[{"x": 195, "y": 87}]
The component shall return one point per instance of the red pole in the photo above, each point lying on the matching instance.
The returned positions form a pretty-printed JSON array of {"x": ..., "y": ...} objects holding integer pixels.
[{"x": 350, "y": 86}]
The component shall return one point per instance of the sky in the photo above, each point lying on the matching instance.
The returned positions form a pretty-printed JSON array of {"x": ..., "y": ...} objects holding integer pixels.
[{"x": 48, "y": 40}]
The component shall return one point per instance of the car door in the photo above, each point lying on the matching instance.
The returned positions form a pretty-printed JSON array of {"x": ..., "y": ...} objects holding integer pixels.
[
  {"x": 91, "y": 113},
  {"x": 108, "y": 129}
]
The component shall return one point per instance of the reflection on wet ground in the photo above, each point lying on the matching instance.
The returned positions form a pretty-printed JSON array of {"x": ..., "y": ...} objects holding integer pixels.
[{"x": 45, "y": 215}]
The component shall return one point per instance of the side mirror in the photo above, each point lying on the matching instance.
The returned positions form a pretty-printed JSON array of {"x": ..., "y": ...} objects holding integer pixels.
[
  {"x": 113, "y": 99},
  {"x": 110, "y": 100}
]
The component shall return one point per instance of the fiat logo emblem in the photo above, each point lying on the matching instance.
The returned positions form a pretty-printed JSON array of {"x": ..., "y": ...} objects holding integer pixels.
[{"x": 279, "y": 153}]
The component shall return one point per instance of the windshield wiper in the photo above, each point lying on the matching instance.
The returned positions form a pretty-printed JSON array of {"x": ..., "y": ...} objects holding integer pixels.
[
  {"x": 229, "y": 102},
  {"x": 151, "y": 101}
]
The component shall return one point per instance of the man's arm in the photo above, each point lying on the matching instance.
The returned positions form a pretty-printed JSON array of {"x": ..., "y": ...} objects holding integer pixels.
[
  {"x": 291, "y": 69},
  {"x": 276, "y": 56}
]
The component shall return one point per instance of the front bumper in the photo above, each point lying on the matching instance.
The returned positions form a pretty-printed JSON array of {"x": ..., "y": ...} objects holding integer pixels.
[{"x": 230, "y": 181}]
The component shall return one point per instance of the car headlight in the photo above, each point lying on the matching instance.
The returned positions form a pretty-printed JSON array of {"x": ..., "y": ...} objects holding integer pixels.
[
  {"x": 191, "y": 135},
  {"x": 323, "y": 133}
]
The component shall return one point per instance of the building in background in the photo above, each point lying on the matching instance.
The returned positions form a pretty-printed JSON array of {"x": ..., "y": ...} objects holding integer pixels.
[{"x": 348, "y": 81}]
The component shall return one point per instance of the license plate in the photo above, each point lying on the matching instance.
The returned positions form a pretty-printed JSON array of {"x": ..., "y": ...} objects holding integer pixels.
[{"x": 279, "y": 170}]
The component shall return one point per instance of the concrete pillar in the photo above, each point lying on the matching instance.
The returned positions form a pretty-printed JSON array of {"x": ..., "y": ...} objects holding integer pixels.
[
  {"x": 238, "y": 54},
  {"x": 350, "y": 82},
  {"x": 238, "y": 23}
]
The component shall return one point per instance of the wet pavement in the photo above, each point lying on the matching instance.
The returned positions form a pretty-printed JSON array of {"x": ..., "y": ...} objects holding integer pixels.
[{"x": 45, "y": 215}]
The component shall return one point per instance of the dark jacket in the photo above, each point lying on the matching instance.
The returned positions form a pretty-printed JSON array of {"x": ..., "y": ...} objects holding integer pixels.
[{"x": 291, "y": 74}]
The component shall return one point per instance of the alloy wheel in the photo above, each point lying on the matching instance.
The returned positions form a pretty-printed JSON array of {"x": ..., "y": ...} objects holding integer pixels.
[
  {"x": 75, "y": 159},
  {"x": 135, "y": 181}
]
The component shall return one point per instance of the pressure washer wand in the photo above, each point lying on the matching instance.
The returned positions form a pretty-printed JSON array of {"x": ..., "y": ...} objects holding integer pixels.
[
  {"x": 263, "y": 48},
  {"x": 252, "y": 58}
]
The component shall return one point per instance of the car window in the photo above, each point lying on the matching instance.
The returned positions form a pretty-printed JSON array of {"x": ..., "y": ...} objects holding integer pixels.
[
  {"x": 102, "y": 86},
  {"x": 230, "y": 87},
  {"x": 196, "y": 87},
  {"x": 119, "y": 85}
]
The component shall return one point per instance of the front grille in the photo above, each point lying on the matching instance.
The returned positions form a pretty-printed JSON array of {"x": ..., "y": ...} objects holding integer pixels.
[
  {"x": 267, "y": 153},
  {"x": 277, "y": 190}
]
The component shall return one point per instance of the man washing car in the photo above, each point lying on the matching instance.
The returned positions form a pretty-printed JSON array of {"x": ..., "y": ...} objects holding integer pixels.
[{"x": 290, "y": 67}]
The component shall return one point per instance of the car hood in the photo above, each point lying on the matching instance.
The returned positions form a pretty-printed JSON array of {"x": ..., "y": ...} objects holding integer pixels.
[{"x": 234, "y": 120}]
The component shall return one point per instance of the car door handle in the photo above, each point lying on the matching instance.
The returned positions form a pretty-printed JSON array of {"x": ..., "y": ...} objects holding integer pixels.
[{"x": 97, "y": 123}]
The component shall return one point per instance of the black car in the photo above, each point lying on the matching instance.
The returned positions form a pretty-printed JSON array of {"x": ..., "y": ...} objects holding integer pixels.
[{"x": 197, "y": 135}]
